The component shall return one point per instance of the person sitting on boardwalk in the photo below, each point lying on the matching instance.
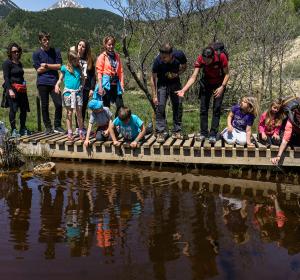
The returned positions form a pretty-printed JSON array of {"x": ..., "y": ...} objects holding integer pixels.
[
  {"x": 72, "y": 94},
  {"x": 270, "y": 124},
  {"x": 47, "y": 61},
  {"x": 102, "y": 116},
  {"x": 240, "y": 121},
  {"x": 291, "y": 134},
  {"x": 213, "y": 82},
  {"x": 167, "y": 67},
  {"x": 110, "y": 74},
  {"x": 129, "y": 125},
  {"x": 15, "y": 89}
]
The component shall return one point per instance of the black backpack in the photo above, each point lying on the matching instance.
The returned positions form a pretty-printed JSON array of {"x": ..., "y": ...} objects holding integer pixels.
[{"x": 291, "y": 107}]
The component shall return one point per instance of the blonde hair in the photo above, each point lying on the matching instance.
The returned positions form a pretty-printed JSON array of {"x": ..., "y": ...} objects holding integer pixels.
[
  {"x": 252, "y": 104},
  {"x": 278, "y": 117},
  {"x": 72, "y": 55}
]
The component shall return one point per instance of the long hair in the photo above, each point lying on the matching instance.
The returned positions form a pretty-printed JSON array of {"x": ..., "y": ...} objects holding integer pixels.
[
  {"x": 72, "y": 55},
  {"x": 13, "y": 45},
  {"x": 278, "y": 117},
  {"x": 87, "y": 53},
  {"x": 252, "y": 104}
]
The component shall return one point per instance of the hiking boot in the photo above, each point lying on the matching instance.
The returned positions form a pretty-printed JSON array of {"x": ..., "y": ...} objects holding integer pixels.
[
  {"x": 59, "y": 130},
  {"x": 178, "y": 135},
  {"x": 212, "y": 139},
  {"x": 15, "y": 133},
  {"x": 24, "y": 132},
  {"x": 160, "y": 138},
  {"x": 48, "y": 130},
  {"x": 200, "y": 137}
]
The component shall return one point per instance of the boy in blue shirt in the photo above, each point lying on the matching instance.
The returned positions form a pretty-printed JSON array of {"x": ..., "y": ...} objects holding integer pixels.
[{"x": 130, "y": 126}]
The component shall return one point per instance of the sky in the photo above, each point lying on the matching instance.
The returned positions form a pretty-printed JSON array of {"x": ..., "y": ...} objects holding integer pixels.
[{"x": 34, "y": 5}]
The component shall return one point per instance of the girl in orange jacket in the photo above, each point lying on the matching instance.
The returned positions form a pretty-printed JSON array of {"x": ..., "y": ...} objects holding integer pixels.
[{"x": 110, "y": 74}]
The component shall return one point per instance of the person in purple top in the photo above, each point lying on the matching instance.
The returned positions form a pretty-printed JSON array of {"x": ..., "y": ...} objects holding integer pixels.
[
  {"x": 47, "y": 61},
  {"x": 240, "y": 121}
]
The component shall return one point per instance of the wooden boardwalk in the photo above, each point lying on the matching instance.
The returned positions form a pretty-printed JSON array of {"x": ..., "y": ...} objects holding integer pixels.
[{"x": 171, "y": 151}]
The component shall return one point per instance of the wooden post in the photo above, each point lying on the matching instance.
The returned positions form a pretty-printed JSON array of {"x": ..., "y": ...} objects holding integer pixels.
[{"x": 38, "y": 110}]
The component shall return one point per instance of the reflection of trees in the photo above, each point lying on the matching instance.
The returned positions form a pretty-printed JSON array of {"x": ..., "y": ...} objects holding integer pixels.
[{"x": 19, "y": 203}]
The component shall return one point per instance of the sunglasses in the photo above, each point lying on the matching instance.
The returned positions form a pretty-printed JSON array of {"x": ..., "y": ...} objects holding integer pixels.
[{"x": 15, "y": 51}]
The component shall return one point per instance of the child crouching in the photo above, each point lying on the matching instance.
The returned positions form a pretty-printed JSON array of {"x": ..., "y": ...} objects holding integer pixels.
[
  {"x": 130, "y": 126},
  {"x": 102, "y": 116},
  {"x": 240, "y": 121}
]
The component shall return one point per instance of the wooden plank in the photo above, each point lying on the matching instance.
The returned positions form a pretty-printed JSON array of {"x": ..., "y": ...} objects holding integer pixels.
[
  {"x": 218, "y": 145},
  {"x": 188, "y": 143},
  {"x": 108, "y": 144},
  {"x": 51, "y": 136},
  {"x": 38, "y": 139},
  {"x": 156, "y": 145},
  {"x": 27, "y": 138},
  {"x": 71, "y": 142},
  {"x": 149, "y": 142},
  {"x": 169, "y": 142},
  {"x": 177, "y": 144},
  {"x": 62, "y": 140},
  {"x": 197, "y": 145},
  {"x": 52, "y": 141},
  {"x": 98, "y": 143},
  {"x": 261, "y": 147},
  {"x": 206, "y": 145}
]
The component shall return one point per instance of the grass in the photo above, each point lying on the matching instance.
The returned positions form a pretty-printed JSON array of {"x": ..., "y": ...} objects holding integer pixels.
[
  {"x": 133, "y": 99},
  {"x": 292, "y": 69}
]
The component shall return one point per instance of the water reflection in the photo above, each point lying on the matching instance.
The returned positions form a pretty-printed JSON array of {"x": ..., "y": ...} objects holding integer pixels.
[{"x": 174, "y": 225}]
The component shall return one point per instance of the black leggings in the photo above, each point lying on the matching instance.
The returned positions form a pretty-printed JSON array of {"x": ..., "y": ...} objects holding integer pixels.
[
  {"x": 112, "y": 96},
  {"x": 21, "y": 102}
]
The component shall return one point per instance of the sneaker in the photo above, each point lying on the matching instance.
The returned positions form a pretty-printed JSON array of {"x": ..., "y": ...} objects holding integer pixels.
[
  {"x": 24, "y": 132},
  {"x": 15, "y": 133},
  {"x": 199, "y": 137},
  {"x": 178, "y": 135},
  {"x": 212, "y": 139},
  {"x": 76, "y": 131},
  {"x": 59, "y": 130},
  {"x": 48, "y": 130},
  {"x": 160, "y": 138}
]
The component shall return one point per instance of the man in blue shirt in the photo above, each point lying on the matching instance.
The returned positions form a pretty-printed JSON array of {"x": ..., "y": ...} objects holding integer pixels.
[
  {"x": 47, "y": 61},
  {"x": 165, "y": 81}
]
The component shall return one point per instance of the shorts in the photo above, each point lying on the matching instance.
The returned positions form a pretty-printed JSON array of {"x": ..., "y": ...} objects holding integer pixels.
[{"x": 67, "y": 100}]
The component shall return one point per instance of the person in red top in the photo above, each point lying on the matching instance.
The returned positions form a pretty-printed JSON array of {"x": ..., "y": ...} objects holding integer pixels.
[
  {"x": 270, "y": 123},
  {"x": 291, "y": 134},
  {"x": 213, "y": 82}
]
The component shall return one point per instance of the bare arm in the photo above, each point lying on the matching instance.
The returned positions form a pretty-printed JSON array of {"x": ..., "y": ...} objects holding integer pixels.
[
  {"x": 220, "y": 90},
  {"x": 189, "y": 83},
  {"x": 57, "y": 86},
  {"x": 88, "y": 133},
  {"x": 283, "y": 145},
  {"x": 134, "y": 143},
  {"x": 229, "y": 121},
  {"x": 248, "y": 135}
]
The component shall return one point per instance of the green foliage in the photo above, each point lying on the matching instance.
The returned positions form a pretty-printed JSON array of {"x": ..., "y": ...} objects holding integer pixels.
[
  {"x": 292, "y": 70},
  {"x": 66, "y": 26},
  {"x": 296, "y": 5}
]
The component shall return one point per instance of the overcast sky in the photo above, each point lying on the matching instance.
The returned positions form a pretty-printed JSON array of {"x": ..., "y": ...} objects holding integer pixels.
[{"x": 34, "y": 5}]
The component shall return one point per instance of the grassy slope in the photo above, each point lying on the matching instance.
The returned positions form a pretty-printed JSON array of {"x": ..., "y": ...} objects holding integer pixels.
[{"x": 135, "y": 100}]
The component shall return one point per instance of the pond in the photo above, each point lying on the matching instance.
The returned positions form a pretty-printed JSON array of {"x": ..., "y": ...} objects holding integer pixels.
[{"x": 110, "y": 221}]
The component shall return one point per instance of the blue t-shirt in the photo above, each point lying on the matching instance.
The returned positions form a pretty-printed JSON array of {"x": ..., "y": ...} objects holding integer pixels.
[
  {"x": 52, "y": 56},
  {"x": 71, "y": 81},
  {"x": 130, "y": 130},
  {"x": 240, "y": 119},
  {"x": 161, "y": 68}
]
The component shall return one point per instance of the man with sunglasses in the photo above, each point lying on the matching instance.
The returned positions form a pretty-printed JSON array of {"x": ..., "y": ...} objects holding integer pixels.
[
  {"x": 165, "y": 81},
  {"x": 47, "y": 61},
  {"x": 213, "y": 82}
]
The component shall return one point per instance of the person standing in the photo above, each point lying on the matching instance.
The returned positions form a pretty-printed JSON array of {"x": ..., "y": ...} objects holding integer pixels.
[
  {"x": 213, "y": 82},
  {"x": 47, "y": 61},
  {"x": 87, "y": 65},
  {"x": 15, "y": 89},
  {"x": 110, "y": 75},
  {"x": 165, "y": 81}
]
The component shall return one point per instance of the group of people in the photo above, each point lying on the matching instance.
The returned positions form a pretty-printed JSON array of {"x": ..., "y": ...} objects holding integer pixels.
[{"x": 82, "y": 90}]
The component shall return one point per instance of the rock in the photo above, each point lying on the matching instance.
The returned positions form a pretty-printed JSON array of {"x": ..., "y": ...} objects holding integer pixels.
[{"x": 45, "y": 167}]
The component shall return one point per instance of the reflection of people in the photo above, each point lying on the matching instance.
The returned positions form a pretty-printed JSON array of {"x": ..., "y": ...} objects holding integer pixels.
[
  {"x": 270, "y": 219},
  {"x": 19, "y": 203},
  {"x": 235, "y": 216},
  {"x": 51, "y": 218}
]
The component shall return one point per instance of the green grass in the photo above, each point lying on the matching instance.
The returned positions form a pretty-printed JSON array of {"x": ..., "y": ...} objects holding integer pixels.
[
  {"x": 292, "y": 70},
  {"x": 137, "y": 102}
]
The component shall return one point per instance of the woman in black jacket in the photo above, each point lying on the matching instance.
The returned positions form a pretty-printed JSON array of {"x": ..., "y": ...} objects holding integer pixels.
[
  {"x": 15, "y": 89},
  {"x": 83, "y": 49}
]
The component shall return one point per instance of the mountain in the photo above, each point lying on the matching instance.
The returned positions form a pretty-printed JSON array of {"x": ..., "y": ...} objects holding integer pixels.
[
  {"x": 66, "y": 26},
  {"x": 7, "y": 6},
  {"x": 65, "y": 4}
]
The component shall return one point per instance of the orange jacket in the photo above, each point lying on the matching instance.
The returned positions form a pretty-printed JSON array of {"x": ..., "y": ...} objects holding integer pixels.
[{"x": 103, "y": 67}]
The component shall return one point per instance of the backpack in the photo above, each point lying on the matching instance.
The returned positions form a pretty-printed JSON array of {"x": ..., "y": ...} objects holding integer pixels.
[{"x": 291, "y": 107}]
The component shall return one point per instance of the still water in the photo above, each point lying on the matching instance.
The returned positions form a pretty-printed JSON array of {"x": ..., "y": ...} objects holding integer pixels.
[{"x": 93, "y": 221}]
